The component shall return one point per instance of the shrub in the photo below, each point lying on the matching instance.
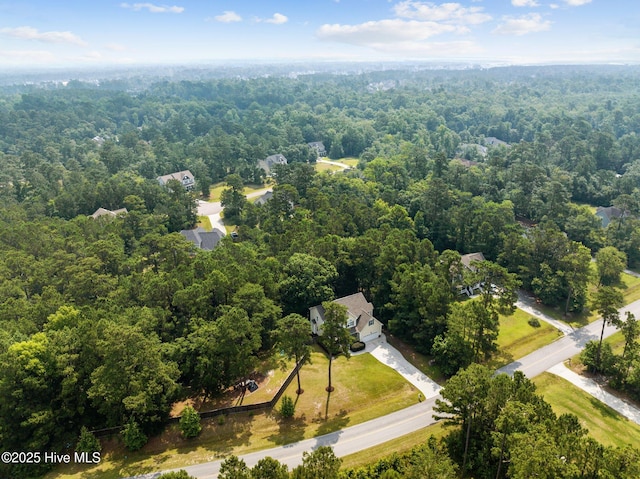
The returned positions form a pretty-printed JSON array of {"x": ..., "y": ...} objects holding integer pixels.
[
  {"x": 87, "y": 442},
  {"x": 190, "y": 422},
  {"x": 134, "y": 438},
  {"x": 287, "y": 407},
  {"x": 534, "y": 322},
  {"x": 357, "y": 346},
  {"x": 181, "y": 474}
]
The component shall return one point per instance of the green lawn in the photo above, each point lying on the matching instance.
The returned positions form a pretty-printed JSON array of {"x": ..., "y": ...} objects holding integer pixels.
[
  {"x": 399, "y": 445},
  {"x": 357, "y": 398},
  {"x": 205, "y": 222},
  {"x": 517, "y": 338},
  {"x": 216, "y": 190},
  {"x": 419, "y": 360},
  {"x": 326, "y": 167},
  {"x": 603, "y": 423},
  {"x": 630, "y": 286},
  {"x": 352, "y": 162}
]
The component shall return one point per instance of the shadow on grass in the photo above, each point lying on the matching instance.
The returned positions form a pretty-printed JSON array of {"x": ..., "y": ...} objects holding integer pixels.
[
  {"x": 499, "y": 359},
  {"x": 605, "y": 410},
  {"x": 289, "y": 430}
]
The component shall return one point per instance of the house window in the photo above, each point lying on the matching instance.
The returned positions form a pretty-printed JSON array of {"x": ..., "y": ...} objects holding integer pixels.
[
  {"x": 371, "y": 322},
  {"x": 351, "y": 323}
]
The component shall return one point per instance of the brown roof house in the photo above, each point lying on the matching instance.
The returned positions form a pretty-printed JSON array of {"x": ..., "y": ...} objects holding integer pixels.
[
  {"x": 185, "y": 178},
  {"x": 361, "y": 322}
]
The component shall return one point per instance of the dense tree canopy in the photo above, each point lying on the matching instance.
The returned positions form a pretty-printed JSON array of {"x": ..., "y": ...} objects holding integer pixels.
[{"x": 109, "y": 320}]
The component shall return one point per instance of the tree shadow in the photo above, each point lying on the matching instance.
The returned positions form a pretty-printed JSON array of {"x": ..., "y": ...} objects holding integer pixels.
[
  {"x": 330, "y": 424},
  {"x": 290, "y": 430}
]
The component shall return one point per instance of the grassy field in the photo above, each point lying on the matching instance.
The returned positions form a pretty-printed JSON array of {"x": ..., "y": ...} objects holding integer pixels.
[
  {"x": 205, "y": 222},
  {"x": 326, "y": 167},
  {"x": 399, "y": 445},
  {"x": 630, "y": 286},
  {"x": 216, "y": 190},
  {"x": 352, "y": 162},
  {"x": 603, "y": 423},
  {"x": 356, "y": 399},
  {"x": 517, "y": 338}
]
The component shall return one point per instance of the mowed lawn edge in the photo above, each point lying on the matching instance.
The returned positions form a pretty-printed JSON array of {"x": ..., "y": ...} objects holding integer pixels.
[
  {"x": 604, "y": 424},
  {"x": 364, "y": 389}
]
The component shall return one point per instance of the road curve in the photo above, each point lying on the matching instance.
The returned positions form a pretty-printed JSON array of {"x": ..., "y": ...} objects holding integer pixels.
[{"x": 377, "y": 431}]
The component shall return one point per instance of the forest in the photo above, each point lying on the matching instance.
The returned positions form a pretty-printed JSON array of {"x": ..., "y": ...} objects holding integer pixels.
[{"x": 109, "y": 321}]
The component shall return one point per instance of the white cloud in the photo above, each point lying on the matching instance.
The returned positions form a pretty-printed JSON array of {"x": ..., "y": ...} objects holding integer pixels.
[
  {"x": 446, "y": 12},
  {"x": 28, "y": 56},
  {"x": 152, "y": 8},
  {"x": 576, "y": 3},
  {"x": 228, "y": 17},
  {"x": 385, "y": 31},
  {"x": 116, "y": 47},
  {"x": 525, "y": 3},
  {"x": 523, "y": 25},
  {"x": 277, "y": 19},
  {"x": 30, "y": 33}
]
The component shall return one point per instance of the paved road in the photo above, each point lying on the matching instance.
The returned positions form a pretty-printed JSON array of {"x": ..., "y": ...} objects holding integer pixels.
[
  {"x": 344, "y": 442},
  {"x": 548, "y": 356},
  {"x": 334, "y": 163},
  {"x": 213, "y": 209},
  {"x": 411, "y": 419}
]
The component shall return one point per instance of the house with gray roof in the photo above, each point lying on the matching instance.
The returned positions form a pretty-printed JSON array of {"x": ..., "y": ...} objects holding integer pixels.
[
  {"x": 468, "y": 261},
  {"x": 361, "y": 323},
  {"x": 185, "y": 178},
  {"x": 608, "y": 214},
  {"x": 270, "y": 161},
  {"x": 202, "y": 239},
  {"x": 319, "y": 147},
  {"x": 262, "y": 200}
]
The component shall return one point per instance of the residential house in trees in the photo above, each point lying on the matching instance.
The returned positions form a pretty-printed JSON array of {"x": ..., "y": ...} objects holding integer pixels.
[
  {"x": 110, "y": 213},
  {"x": 360, "y": 322},
  {"x": 185, "y": 178},
  {"x": 270, "y": 161},
  {"x": 608, "y": 214},
  {"x": 468, "y": 261},
  {"x": 262, "y": 200},
  {"x": 319, "y": 147},
  {"x": 202, "y": 239}
]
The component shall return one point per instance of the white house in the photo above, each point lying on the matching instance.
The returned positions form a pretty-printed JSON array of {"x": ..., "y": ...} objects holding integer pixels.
[
  {"x": 361, "y": 322},
  {"x": 185, "y": 178}
]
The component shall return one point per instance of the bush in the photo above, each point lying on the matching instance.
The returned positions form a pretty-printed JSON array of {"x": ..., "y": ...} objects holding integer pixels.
[
  {"x": 287, "y": 407},
  {"x": 190, "y": 422},
  {"x": 181, "y": 474},
  {"x": 589, "y": 357},
  {"x": 134, "y": 438},
  {"x": 534, "y": 322},
  {"x": 87, "y": 442},
  {"x": 357, "y": 346}
]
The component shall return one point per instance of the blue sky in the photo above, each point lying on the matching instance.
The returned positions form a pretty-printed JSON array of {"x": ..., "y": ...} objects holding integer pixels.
[{"x": 79, "y": 32}]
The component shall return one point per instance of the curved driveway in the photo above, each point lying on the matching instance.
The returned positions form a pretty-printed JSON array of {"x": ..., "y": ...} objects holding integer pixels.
[{"x": 368, "y": 434}]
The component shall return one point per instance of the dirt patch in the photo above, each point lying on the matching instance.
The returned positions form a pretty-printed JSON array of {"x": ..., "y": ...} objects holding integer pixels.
[{"x": 232, "y": 396}]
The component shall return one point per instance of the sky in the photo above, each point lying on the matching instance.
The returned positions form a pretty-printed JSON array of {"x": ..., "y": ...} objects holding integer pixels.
[{"x": 53, "y": 33}]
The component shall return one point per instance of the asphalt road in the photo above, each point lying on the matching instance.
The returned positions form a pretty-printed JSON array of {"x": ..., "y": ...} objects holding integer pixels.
[{"x": 371, "y": 433}]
